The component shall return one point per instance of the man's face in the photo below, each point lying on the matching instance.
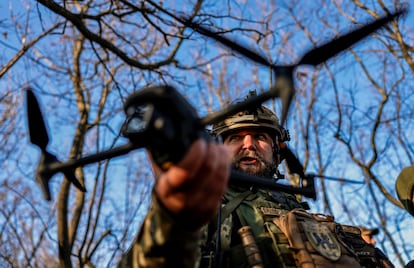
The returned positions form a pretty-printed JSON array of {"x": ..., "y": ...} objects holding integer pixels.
[{"x": 252, "y": 152}]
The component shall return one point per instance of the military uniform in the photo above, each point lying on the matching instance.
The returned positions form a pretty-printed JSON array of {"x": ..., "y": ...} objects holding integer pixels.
[
  {"x": 253, "y": 208},
  {"x": 165, "y": 242},
  {"x": 162, "y": 242}
]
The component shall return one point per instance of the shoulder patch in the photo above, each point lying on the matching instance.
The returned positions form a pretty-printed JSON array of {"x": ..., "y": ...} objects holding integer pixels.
[{"x": 322, "y": 240}]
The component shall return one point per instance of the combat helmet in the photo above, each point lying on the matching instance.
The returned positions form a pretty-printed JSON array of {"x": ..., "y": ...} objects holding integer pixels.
[{"x": 259, "y": 117}]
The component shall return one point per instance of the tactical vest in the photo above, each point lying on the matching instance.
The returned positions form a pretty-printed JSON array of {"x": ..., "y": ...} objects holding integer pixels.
[
  {"x": 284, "y": 234},
  {"x": 256, "y": 210}
]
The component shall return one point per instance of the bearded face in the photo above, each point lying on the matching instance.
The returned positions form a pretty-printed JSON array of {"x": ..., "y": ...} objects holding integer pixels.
[
  {"x": 252, "y": 152},
  {"x": 254, "y": 164}
]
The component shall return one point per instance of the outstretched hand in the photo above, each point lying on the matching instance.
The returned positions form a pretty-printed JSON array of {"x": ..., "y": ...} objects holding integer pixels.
[{"x": 192, "y": 190}]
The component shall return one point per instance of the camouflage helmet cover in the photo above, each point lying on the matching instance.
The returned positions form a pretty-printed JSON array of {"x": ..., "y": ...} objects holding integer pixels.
[{"x": 261, "y": 117}]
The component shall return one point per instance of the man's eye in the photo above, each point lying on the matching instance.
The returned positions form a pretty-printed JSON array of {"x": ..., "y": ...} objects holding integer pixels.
[
  {"x": 234, "y": 138},
  {"x": 261, "y": 137}
]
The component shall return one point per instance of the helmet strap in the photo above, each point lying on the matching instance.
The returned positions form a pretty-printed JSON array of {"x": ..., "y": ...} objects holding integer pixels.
[{"x": 276, "y": 150}]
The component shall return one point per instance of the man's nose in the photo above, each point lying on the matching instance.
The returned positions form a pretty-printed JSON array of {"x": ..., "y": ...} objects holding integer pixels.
[{"x": 249, "y": 142}]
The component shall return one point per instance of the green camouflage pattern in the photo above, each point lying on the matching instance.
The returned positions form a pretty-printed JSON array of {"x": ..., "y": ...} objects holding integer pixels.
[{"x": 164, "y": 241}]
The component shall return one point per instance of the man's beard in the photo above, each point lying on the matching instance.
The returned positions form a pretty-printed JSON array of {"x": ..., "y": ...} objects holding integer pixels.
[{"x": 267, "y": 169}]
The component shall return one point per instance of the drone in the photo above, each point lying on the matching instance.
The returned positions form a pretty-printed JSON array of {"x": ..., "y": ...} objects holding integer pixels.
[{"x": 161, "y": 120}]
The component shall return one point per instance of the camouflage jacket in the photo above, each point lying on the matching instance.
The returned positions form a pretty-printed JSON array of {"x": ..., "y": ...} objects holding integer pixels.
[
  {"x": 165, "y": 242},
  {"x": 162, "y": 242}
]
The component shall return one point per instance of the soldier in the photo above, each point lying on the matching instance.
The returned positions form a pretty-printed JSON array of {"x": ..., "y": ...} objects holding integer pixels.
[
  {"x": 198, "y": 220},
  {"x": 405, "y": 188}
]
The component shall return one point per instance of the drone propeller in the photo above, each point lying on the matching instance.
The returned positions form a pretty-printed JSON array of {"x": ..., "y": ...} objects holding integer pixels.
[
  {"x": 324, "y": 52},
  {"x": 37, "y": 128},
  {"x": 284, "y": 81},
  {"x": 284, "y": 88},
  {"x": 39, "y": 137}
]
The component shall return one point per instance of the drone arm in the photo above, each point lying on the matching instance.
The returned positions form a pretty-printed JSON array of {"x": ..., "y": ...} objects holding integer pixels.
[{"x": 308, "y": 189}]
